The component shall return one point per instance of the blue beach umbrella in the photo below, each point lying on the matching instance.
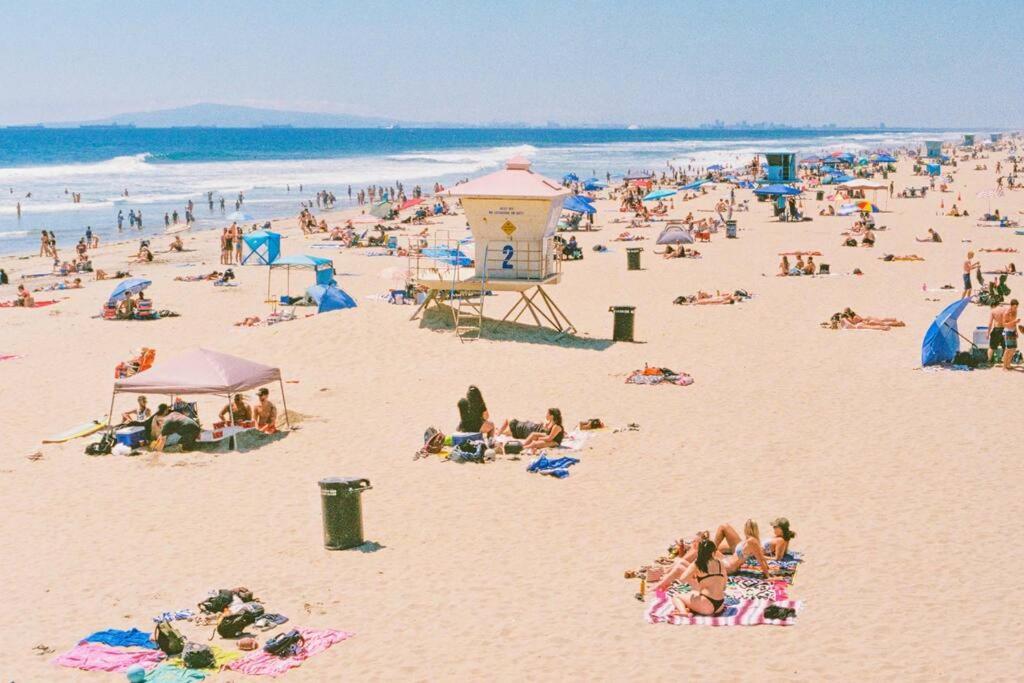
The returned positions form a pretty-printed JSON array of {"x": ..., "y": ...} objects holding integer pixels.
[
  {"x": 578, "y": 204},
  {"x": 942, "y": 339},
  {"x": 884, "y": 158},
  {"x": 695, "y": 185},
  {"x": 659, "y": 194},
  {"x": 715, "y": 167},
  {"x": 132, "y": 285},
  {"x": 775, "y": 190},
  {"x": 570, "y": 178}
]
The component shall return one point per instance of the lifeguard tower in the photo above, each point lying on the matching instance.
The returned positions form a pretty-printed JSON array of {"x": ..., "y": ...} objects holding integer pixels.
[
  {"x": 968, "y": 140},
  {"x": 781, "y": 167},
  {"x": 996, "y": 137},
  {"x": 933, "y": 149},
  {"x": 512, "y": 215}
]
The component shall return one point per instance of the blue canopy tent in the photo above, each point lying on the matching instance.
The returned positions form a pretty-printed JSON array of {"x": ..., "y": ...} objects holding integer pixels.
[
  {"x": 264, "y": 247},
  {"x": 942, "y": 339},
  {"x": 883, "y": 158},
  {"x": 776, "y": 190},
  {"x": 934, "y": 169},
  {"x": 322, "y": 268},
  {"x": 695, "y": 185},
  {"x": 127, "y": 287},
  {"x": 578, "y": 204},
  {"x": 659, "y": 194},
  {"x": 715, "y": 167},
  {"x": 594, "y": 184},
  {"x": 570, "y": 178},
  {"x": 329, "y": 298}
]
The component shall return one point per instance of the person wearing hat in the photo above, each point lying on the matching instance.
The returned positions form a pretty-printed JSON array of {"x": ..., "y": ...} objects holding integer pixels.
[
  {"x": 265, "y": 413},
  {"x": 778, "y": 546}
]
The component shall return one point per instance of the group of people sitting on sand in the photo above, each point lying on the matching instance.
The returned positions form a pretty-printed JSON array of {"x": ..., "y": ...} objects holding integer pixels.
[
  {"x": 848, "y": 320},
  {"x": 863, "y": 229},
  {"x": 707, "y": 562},
  {"x": 957, "y": 213},
  {"x": 529, "y": 436},
  {"x": 308, "y": 223},
  {"x": 801, "y": 267},
  {"x": 679, "y": 251}
]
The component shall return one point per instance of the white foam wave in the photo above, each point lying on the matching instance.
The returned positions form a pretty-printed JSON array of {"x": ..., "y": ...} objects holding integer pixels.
[
  {"x": 122, "y": 165},
  {"x": 13, "y": 234}
]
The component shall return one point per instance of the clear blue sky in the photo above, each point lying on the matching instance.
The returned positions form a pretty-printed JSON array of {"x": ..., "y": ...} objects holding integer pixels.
[{"x": 913, "y": 63}]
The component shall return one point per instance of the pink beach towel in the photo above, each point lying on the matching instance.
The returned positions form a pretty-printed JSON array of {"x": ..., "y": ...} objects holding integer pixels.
[
  {"x": 265, "y": 664},
  {"x": 746, "y": 613},
  {"x": 99, "y": 657}
]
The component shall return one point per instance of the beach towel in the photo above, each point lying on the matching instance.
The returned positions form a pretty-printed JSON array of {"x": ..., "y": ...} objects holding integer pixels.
[
  {"x": 99, "y": 657},
  {"x": 221, "y": 658},
  {"x": 744, "y": 613},
  {"x": 261, "y": 663},
  {"x": 638, "y": 377},
  {"x": 165, "y": 673},
  {"x": 117, "y": 637},
  {"x": 9, "y": 356},
  {"x": 174, "y": 616},
  {"x": 38, "y": 304},
  {"x": 557, "y": 467}
]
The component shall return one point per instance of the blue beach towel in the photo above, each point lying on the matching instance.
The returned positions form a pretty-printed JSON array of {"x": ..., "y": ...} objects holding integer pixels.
[
  {"x": 554, "y": 468},
  {"x": 118, "y": 638}
]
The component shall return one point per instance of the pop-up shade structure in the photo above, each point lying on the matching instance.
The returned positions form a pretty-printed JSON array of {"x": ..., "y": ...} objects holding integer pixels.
[
  {"x": 264, "y": 247},
  {"x": 323, "y": 269},
  {"x": 942, "y": 339},
  {"x": 578, "y": 204},
  {"x": 776, "y": 190},
  {"x": 200, "y": 372}
]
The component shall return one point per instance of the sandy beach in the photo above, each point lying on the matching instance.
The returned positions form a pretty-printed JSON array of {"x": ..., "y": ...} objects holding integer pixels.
[{"x": 898, "y": 480}]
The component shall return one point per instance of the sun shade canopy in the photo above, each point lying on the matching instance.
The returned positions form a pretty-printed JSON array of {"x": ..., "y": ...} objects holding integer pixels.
[{"x": 200, "y": 371}]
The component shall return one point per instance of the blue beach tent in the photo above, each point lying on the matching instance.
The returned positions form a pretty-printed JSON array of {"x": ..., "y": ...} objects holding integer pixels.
[
  {"x": 264, "y": 247},
  {"x": 578, "y": 204},
  {"x": 942, "y": 340},
  {"x": 329, "y": 298}
]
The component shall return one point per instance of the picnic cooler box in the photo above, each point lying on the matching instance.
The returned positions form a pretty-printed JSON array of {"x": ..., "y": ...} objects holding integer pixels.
[
  {"x": 341, "y": 499},
  {"x": 131, "y": 436}
]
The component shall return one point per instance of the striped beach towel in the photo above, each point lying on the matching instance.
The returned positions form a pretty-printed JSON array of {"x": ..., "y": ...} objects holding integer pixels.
[{"x": 745, "y": 613}]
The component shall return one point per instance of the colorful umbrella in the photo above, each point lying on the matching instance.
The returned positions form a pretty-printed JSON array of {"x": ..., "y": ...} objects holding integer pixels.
[
  {"x": 411, "y": 202},
  {"x": 867, "y": 206}
]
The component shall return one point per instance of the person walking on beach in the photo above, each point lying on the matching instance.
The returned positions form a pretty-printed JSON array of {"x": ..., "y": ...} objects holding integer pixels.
[
  {"x": 236, "y": 237},
  {"x": 1011, "y": 325},
  {"x": 44, "y": 244},
  {"x": 969, "y": 265},
  {"x": 120, "y": 221}
]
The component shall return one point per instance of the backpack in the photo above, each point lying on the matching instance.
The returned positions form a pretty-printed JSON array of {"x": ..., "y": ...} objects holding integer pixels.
[
  {"x": 433, "y": 440},
  {"x": 232, "y": 625},
  {"x": 168, "y": 639},
  {"x": 103, "y": 446},
  {"x": 198, "y": 656},
  {"x": 284, "y": 644},
  {"x": 216, "y": 603}
]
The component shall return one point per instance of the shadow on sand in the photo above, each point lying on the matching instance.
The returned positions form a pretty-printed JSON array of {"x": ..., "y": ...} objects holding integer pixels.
[{"x": 440, "y": 318}]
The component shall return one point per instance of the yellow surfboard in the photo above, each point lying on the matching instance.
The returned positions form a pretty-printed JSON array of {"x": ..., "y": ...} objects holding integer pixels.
[{"x": 84, "y": 429}]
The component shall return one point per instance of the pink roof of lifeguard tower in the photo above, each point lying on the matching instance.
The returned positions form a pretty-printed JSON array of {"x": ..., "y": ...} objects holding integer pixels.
[{"x": 515, "y": 180}]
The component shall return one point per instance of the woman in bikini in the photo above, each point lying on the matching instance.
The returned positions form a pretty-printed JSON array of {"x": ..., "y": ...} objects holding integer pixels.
[
  {"x": 708, "y": 577},
  {"x": 778, "y": 546},
  {"x": 742, "y": 550},
  {"x": 551, "y": 433}
]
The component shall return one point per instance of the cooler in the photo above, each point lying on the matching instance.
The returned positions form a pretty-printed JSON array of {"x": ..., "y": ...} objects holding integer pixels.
[
  {"x": 131, "y": 436},
  {"x": 981, "y": 337}
]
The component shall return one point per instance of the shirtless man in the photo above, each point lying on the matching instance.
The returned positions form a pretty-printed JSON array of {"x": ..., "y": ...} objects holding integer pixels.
[
  {"x": 969, "y": 265},
  {"x": 265, "y": 413},
  {"x": 995, "y": 334},
  {"x": 239, "y": 411},
  {"x": 1011, "y": 325}
]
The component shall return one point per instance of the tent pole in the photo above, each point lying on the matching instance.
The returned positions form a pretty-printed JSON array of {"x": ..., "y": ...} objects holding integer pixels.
[
  {"x": 284, "y": 404},
  {"x": 231, "y": 417},
  {"x": 110, "y": 415}
]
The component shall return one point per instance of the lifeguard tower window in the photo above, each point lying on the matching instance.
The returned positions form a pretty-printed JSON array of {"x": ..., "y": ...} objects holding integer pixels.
[
  {"x": 781, "y": 167},
  {"x": 519, "y": 260}
]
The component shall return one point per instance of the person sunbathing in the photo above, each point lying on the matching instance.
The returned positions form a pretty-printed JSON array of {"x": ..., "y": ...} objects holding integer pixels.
[
  {"x": 678, "y": 252},
  {"x": 250, "y": 321},
  {"x": 660, "y": 209},
  {"x": 1000, "y": 250},
  {"x": 905, "y": 257},
  {"x": 849, "y": 314},
  {"x": 550, "y": 434},
  {"x": 144, "y": 255},
  {"x": 104, "y": 275},
  {"x": 1009, "y": 269},
  {"x": 932, "y": 237},
  {"x": 214, "y": 275},
  {"x": 707, "y": 575},
  {"x": 869, "y": 238},
  {"x": 743, "y": 550},
  {"x": 778, "y": 546},
  {"x": 827, "y": 211},
  {"x": 703, "y": 298},
  {"x": 955, "y": 212}
]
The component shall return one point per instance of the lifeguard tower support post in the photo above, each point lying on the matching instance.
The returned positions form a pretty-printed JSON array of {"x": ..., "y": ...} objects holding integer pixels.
[
  {"x": 781, "y": 167},
  {"x": 512, "y": 215},
  {"x": 933, "y": 149}
]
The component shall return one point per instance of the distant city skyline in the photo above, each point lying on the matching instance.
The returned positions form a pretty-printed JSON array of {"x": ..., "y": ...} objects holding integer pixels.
[{"x": 660, "y": 64}]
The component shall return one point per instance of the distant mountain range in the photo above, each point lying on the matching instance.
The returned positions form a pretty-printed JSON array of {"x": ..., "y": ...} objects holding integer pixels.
[{"x": 209, "y": 115}]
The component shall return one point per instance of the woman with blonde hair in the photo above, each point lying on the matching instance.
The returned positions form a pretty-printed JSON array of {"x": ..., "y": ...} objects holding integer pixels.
[{"x": 742, "y": 550}]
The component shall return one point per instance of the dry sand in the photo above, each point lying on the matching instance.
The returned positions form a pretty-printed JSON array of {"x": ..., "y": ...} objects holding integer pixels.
[{"x": 901, "y": 483}]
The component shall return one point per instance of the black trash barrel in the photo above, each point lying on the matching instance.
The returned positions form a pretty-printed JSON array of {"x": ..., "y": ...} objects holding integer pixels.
[
  {"x": 623, "y": 328},
  {"x": 341, "y": 498},
  {"x": 820, "y": 195},
  {"x": 730, "y": 229},
  {"x": 633, "y": 258}
]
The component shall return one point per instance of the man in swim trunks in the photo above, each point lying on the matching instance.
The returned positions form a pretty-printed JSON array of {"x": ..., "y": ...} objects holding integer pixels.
[
  {"x": 265, "y": 413},
  {"x": 1011, "y": 325},
  {"x": 969, "y": 265},
  {"x": 995, "y": 335}
]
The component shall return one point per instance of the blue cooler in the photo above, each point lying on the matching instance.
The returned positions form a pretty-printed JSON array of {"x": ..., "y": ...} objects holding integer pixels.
[
  {"x": 131, "y": 436},
  {"x": 459, "y": 437}
]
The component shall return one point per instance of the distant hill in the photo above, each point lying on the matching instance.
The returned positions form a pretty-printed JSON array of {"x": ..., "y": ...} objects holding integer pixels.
[{"x": 234, "y": 116}]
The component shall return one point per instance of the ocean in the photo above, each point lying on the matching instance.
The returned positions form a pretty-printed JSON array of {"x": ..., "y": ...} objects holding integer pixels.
[{"x": 163, "y": 168}]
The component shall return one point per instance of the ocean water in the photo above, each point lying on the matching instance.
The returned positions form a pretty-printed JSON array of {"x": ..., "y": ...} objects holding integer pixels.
[{"x": 163, "y": 168}]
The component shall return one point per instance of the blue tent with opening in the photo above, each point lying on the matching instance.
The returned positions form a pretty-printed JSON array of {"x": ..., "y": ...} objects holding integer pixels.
[
  {"x": 329, "y": 298},
  {"x": 578, "y": 204},
  {"x": 942, "y": 339},
  {"x": 775, "y": 190},
  {"x": 263, "y": 247}
]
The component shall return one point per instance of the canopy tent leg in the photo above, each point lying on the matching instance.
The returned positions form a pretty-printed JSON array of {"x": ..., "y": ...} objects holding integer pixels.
[
  {"x": 284, "y": 404},
  {"x": 110, "y": 415},
  {"x": 231, "y": 418}
]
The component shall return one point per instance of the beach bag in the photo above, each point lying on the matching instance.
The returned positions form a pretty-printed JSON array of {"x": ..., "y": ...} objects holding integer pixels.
[
  {"x": 284, "y": 644},
  {"x": 198, "y": 656},
  {"x": 103, "y": 446},
  {"x": 433, "y": 440},
  {"x": 513, "y": 447},
  {"x": 776, "y": 612},
  {"x": 168, "y": 639},
  {"x": 217, "y": 603},
  {"x": 244, "y": 594},
  {"x": 232, "y": 625}
]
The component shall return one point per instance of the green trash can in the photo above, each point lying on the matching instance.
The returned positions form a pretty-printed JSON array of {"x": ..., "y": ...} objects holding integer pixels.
[
  {"x": 633, "y": 258},
  {"x": 342, "y": 503},
  {"x": 623, "y": 327},
  {"x": 820, "y": 195}
]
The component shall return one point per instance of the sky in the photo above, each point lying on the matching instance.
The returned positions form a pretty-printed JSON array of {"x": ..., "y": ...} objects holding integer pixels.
[{"x": 905, "y": 63}]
